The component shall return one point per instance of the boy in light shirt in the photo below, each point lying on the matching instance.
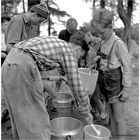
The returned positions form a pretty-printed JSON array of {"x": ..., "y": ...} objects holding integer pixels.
[{"x": 115, "y": 73}]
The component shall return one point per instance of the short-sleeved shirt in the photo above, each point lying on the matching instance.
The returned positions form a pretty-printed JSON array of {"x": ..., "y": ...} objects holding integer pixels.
[
  {"x": 64, "y": 35},
  {"x": 19, "y": 29}
]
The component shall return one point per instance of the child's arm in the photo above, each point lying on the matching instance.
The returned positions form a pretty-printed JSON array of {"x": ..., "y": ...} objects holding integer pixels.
[{"x": 93, "y": 64}]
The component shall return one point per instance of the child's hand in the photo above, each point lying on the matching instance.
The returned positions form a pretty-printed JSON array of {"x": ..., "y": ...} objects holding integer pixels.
[
  {"x": 96, "y": 58},
  {"x": 124, "y": 95}
]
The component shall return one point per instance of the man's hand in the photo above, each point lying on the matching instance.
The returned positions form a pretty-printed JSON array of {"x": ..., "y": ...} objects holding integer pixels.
[
  {"x": 48, "y": 89},
  {"x": 88, "y": 119}
]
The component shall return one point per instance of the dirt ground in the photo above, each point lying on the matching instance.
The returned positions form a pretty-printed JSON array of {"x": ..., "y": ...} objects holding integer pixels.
[
  {"x": 132, "y": 105},
  {"x": 131, "y": 108}
]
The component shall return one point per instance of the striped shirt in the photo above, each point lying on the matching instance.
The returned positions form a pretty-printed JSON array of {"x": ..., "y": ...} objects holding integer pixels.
[{"x": 51, "y": 51}]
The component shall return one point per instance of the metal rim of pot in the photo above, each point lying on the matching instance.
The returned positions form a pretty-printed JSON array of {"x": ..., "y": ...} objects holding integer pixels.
[
  {"x": 97, "y": 136},
  {"x": 93, "y": 71},
  {"x": 70, "y": 133},
  {"x": 63, "y": 101}
]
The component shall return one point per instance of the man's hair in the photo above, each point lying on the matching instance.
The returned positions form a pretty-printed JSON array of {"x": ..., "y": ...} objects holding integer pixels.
[
  {"x": 5, "y": 18},
  {"x": 102, "y": 17}
]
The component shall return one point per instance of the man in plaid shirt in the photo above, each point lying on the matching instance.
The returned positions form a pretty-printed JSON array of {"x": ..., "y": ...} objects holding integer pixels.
[{"x": 23, "y": 83}]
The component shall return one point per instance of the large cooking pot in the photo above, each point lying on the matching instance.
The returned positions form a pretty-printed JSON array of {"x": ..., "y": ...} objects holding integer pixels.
[
  {"x": 60, "y": 107},
  {"x": 66, "y": 128}
]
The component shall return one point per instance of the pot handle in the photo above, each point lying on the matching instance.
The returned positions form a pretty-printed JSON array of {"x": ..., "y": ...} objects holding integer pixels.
[{"x": 68, "y": 137}]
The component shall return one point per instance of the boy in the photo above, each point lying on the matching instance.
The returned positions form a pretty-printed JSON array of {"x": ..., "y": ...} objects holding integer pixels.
[{"x": 115, "y": 74}]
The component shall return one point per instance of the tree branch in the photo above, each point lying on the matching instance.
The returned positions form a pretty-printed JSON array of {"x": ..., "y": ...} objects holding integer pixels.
[
  {"x": 121, "y": 11},
  {"x": 130, "y": 4}
]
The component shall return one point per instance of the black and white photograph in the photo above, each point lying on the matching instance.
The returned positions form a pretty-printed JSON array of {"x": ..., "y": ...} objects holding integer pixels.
[{"x": 70, "y": 69}]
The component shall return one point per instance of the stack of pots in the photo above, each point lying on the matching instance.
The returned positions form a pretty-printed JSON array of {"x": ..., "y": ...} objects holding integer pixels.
[{"x": 63, "y": 126}]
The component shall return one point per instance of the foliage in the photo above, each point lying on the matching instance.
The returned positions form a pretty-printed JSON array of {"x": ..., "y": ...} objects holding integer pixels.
[
  {"x": 134, "y": 32},
  {"x": 112, "y": 5},
  {"x": 9, "y": 6},
  {"x": 54, "y": 11}
]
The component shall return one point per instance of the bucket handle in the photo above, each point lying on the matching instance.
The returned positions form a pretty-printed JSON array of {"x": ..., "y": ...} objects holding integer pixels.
[
  {"x": 91, "y": 66},
  {"x": 68, "y": 137}
]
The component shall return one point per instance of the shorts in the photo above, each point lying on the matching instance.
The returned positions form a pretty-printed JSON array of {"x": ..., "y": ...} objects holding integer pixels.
[{"x": 110, "y": 84}]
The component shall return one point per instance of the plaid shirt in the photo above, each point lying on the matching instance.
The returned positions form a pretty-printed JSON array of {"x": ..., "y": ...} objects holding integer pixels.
[{"x": 53, "y": 52}]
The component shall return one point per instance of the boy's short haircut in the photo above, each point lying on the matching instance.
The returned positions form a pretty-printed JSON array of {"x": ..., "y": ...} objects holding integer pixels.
[
  {"x": 72, "y": 23},
  {"x": 103, "y": 18}
]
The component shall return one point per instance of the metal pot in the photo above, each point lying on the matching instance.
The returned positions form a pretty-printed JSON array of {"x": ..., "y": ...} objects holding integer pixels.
[
  {"x": 90, "y": 134},
  {"x": 66, "y": 128},
  {"x": 60, "y": 107},
  {"x": 63, "y": 101}
]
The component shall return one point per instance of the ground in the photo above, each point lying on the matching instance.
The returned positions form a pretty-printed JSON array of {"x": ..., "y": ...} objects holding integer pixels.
[{"x": 131, "y": 108}]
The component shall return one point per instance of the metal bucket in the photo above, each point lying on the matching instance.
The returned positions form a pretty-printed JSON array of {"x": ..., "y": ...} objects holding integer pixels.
[
  {"x": 66, "y": 128},
  {"x": 89, "y": 79},
  {"x": 90, "y": 134},
  {"x": 60, "y": 107}
]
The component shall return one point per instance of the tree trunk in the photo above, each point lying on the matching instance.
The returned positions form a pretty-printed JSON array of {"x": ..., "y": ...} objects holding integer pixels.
[
  {"x": 49, "y": 25},
  {"x": 94, "y": 4},
  {"x": 127, "y": 36},
  {"x": 102, "y": 3},
  {"x": 5, "y": 7},
  {"x": 23, "y": 6},
  {"x": 125, "y": 16},
  {"x": 93, "y": 7},
  {"x": 49, "y": 21}
]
